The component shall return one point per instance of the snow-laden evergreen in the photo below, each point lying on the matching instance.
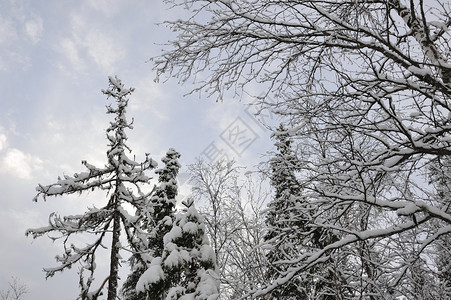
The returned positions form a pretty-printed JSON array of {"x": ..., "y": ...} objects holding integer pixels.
[
  {"x": 163, "y": 202},
  {"x": 157, "y": 219},
  {"x": 287, "y": 221},
  {"x": 291, "y": 231},
  {"x": 440, "y": 177},
  {"x": 186, "y": 268},
  {"x": 122, "y": 178},
  {"x": 284, "y": 220}
]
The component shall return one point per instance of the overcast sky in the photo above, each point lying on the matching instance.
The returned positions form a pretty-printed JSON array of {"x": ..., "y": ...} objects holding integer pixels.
[{"x": 55, "y": 57}]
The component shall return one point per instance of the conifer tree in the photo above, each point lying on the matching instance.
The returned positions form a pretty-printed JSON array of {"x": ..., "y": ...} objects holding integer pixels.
[
  {"x": 157, "y": 223},
  {"x": 285, "y": 220},
  {"x": 291, "y": 231},
  {"x": 440, "y": 178},
  {"x": 122, "y": 178},
  {"x": 163, "y": 201},
  {"x": 186, "y": 268}
]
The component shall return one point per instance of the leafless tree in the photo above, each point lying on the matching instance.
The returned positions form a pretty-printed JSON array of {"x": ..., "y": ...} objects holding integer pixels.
[
  {"x": 232, "y": 205},
  {"x": 15, "y": 291},
  {"x": 365, "y": 89}
]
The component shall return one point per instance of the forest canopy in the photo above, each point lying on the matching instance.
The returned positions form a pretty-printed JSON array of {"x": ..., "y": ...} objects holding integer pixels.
[{"x": 363, "y": 89}]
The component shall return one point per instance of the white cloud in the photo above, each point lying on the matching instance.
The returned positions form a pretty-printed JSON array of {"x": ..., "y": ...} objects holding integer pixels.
[
  {"x": 70, "y": 51},
  {"x": 103, "y": 50},
  {"x": 8, "y": 36},
  {"x": 220, "y": 115},
  {"x": 8, "y": 33},
  {"x": 34, "y": 29},
  {"x": 8, "y": 59},
  {"x": 151, "y": 97},
  {"x": 3, "y": 141},
  {"x": 107, "y": 7},
  {"x": 19, "y": 28},
  {"x": 19, "y": 164},
  {"x": 90, "y": 42}
]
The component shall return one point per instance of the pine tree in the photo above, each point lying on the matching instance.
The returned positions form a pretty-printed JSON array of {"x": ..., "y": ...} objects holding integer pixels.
[
  {"x": 122, "y": 178},
  {"x": 156, "y": 224},
  {"x": 186, "y": 269}
]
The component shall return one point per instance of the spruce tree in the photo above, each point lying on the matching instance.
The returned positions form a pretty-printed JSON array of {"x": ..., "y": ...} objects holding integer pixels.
[
  {"x": 285, "y": 220},
  {"x": 156, "y": 224},
  {"x": 291, "y": 232},
  {"x": 186, "y": 268},
  {"x": 440, "y": 178},
  {"x": 163, "y": 201},
  {"x": 122, "y": 178}
]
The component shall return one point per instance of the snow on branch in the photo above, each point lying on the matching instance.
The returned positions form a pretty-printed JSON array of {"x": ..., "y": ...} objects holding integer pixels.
[{"x": 124, "y": 181}]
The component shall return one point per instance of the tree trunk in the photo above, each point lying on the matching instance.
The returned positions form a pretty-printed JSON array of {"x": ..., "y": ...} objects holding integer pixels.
[{"x": 114, "y": 258}]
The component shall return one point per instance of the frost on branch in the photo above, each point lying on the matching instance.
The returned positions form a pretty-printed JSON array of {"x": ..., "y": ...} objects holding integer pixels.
[
  {"x": 122, "y": 179},
  {"x": 232, "y": 209},
  {"x": 364, "y": 88},
  {"x": 291, "y": 231}
]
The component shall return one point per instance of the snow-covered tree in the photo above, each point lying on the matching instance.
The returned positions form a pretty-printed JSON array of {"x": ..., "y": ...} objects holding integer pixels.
[
  {"x": 186, "y": 270},
  {"x": 156, "y": 222},
  {"x": 366, "y": 89},
  {"x": 215, "y": 186},
  {"x": 285, "y": 220},
  {"x": 440, "y": 178},
  {"x": 290, "y": 231},
  {"x": 163, "y": 201},
  {"x": 123, "y": 179},
  {"x": 231, "y": 204},
  {"x": 444, "y": 262}
]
